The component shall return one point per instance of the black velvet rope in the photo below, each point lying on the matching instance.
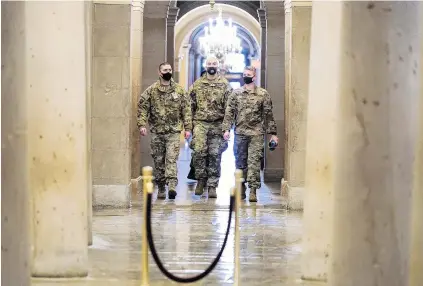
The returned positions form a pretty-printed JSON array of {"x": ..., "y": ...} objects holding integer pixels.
[{"x": 160, "y": 264}]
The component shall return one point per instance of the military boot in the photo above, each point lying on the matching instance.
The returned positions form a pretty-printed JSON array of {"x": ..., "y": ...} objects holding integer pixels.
[
  {"x": 212, "y": 193},
  {"x": 243, "y": 191},
  {"x": 253, "y": 196},
  {"x": 161, "y": 194},
  {"x": 200, "y": 187},
  {"x": 172, "y": 191}
]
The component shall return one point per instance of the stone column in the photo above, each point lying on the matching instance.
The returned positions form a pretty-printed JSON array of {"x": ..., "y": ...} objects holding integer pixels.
[
  {"x": 416, "y": 259},
  {"x": 320, "y": 143},
  {"x": 298, "y": 30},
  {"x": 154, "y": 53},
  {"x": 196, "y": 71},
  {"x": 88, "y": 66},
  {"x": 57, "y": 136},
  {"x": 172, "y": 16},
  {"x": 111, "y": 104},
  {"x": 288, "y": 43},
  {"x": 198, "y": 66},
  {"x": 177, "y": 70},
  {"x": 275, "y": 78},
  {"x": 15, "y": 267},
  {"x": 154, "y": 44},
  {"x": 379, "y": 88},
  {"x": 191, "y": 67},
  {"x": 136, "y": 76},
  {"x": 263, "y": 45},
  {"x": 183, "y": 64}
]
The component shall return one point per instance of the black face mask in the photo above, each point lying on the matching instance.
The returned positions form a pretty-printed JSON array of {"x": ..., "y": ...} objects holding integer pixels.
[
  {"x": 211, "y": 70},
  {"x": 248, "y": 79},
  {"x": 166, "y": 76}
]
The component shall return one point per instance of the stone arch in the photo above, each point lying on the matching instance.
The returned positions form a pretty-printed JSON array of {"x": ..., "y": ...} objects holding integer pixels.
[
  {"x": 190, "y": 22},
  {"x": 248, "y": 6}
]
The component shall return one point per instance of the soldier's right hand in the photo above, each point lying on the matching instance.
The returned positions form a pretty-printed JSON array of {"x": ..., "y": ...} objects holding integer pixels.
[
  {"x": 227, "y": 135},
  {"x": 143, "y": 131}
]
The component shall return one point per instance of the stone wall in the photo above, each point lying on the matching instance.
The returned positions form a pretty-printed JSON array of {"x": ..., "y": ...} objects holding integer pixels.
[
  {"x": 15, "y": 210},
  {"x": 111, "y": 104},
  {"x": 298, "y": 33},
  {"x": 136, "y": 57},
  {"x": 275, "y": 77}
]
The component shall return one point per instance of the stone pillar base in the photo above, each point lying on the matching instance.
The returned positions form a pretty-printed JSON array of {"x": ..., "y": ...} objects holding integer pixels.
[
  {"x": 293, "y": 195},
  {"x": 272, "y": 175},
  {"x": 284, "y": 188},
  {"x": 136, "y": 185},
  {"x": 67, "y": 265},
  {"x": 313, "y": 279},
  {"x": 111, "y": 196}
]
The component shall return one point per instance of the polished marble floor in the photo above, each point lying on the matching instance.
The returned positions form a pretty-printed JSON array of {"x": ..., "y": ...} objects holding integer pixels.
[{"x": 188, "y": 233}]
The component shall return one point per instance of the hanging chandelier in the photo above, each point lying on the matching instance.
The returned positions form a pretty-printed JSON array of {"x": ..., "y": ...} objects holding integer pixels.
[{"x": 219, "y": 39}]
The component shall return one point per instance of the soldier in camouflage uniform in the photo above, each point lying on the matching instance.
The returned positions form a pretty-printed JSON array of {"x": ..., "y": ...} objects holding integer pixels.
[
  {"x": 209, "y": 96},
  {"x": 167, "y": 108},
  {"x": 250, "y": 108}
]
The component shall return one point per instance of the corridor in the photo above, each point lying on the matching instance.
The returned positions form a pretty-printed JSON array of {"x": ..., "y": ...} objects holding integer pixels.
[
  {"x": 341, "y": 200},
  {"x": 188, "y": 235}
]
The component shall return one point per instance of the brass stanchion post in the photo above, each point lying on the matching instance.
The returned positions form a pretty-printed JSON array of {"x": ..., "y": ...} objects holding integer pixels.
[
  {"x": 238, "y": 190},
  {"x": 147, "y": 175}
]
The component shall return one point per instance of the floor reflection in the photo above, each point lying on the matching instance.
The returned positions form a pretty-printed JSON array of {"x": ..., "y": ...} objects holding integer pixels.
[
  {"x": 188, "y": 240},
  {"x": 188, "y": 233}
]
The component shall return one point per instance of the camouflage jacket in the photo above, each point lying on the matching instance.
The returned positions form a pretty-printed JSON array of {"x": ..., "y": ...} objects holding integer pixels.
[
  {"x": 250, "y": 110},
  {"x": 209, "y": 98},
  {"x": 167, "y": 109}
]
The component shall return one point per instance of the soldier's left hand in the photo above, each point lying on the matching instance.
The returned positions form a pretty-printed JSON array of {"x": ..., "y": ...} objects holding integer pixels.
[
  {"x": 187, "y": 134},
  {"x": 274, "y": 138}
]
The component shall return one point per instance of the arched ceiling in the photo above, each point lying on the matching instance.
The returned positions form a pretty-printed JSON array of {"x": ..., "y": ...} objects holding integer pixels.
[
  {"x": 248, "y": 6},
  {"x": 190, "y": 21}
]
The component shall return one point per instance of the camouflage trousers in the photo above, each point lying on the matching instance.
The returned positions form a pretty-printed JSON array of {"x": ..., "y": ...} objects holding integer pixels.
[
  {"x": 208, "y": 145},
  {"x": 248, "y": 151},
  {"x": 165, "y": 150}
]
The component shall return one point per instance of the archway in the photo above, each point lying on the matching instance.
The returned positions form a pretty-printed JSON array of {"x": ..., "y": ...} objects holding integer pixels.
[
  {"x": 190, "y": 27},
  {"x": 249, "y": 55}
]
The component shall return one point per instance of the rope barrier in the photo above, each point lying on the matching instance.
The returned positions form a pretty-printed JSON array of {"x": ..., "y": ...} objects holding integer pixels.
[{"x": 156, "y": 256}]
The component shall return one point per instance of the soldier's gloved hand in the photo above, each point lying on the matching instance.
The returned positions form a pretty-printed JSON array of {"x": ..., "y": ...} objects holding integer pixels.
[
  {"x": 187, "y": 134},
  {"x": 274, "y": 138},
  {"x": 143, "y": 131},
  {"x": 227, "y": 135}
]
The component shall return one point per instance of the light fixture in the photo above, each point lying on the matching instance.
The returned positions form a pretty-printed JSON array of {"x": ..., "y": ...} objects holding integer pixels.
[{"x": 220, "y": 39}]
